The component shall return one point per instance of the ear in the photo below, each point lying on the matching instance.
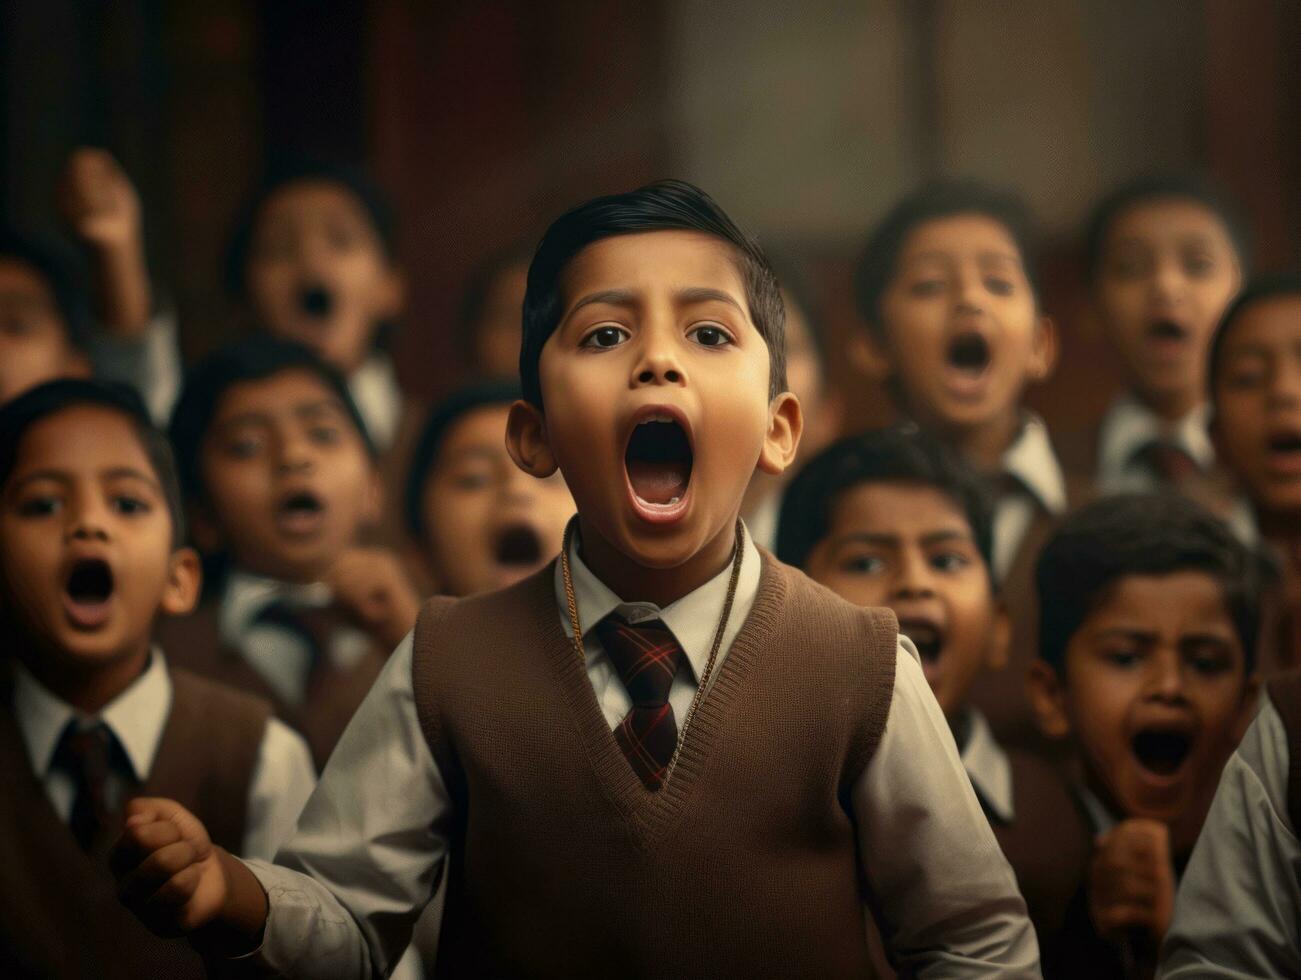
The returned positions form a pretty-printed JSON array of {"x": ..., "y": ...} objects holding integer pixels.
[
  {"x": 1000, "y": 638},
  {"x": 1043, "y": 355},
  {"x": 785, "y": 426},
  {"x": 869, "y": 356},
  {"x": 184, "y": 580},
  {"x": 1048, "y": 699},
  {"x": 527, "y": 442},
  {"x": 393, "y": 294}
]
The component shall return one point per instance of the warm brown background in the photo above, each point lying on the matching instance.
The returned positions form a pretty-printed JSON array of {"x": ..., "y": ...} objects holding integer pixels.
[{"x": 484, "y": 117}]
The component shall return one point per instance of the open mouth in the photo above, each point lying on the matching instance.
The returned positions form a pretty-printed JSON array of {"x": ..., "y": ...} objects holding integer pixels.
[
  {"x": 1167, "y": 331},
  {"x": 518, "y": 544},
  {"x": 1161, "y": 751},
  {"x": 87, "y": 592},
  {"x": 658, "y": 460},
  {"x": 927, "y": 637},
  {"x": 969, "y": 353},
  {"x": 300, "y": 512},
  {"x": 1285, "y": 443},
  {"x": 316, "y": 301}
]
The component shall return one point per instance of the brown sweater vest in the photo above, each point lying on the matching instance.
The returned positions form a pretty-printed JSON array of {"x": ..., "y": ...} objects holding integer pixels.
[
  {"x": 59, "y": 913},
  {"x": 742, "y": 865},
  {"x": 333, "y": 696}
]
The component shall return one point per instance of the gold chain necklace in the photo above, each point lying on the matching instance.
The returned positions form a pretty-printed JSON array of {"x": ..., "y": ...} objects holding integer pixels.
[{"x": 577, "y": 638}]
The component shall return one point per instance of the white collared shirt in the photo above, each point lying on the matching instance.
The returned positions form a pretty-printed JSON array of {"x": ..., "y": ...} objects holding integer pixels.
[
  {"x": 282, "y": 779},
  {"x": 378, "y": 397},
  {"x": 1039, "y": 486},
  {"x": 1129, "y": 427},
  {"x": 371, "y": 842},
  {"x": 280, "y": 656},
  {"x": 988, "y": 767}
]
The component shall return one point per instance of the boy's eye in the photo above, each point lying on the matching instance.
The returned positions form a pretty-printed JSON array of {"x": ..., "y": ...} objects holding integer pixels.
[
  {"x": 342, "y": 237},
  {"x": 130, "y": 506},
  {"x": 40, "y": 506},
  {"x": 1122, "y": 658},
  {"x": 927, "y": 287},
  {"x": 710, "y": 335},
  {"x": 1130, "y": 267},
  {"x": 324, "y": 435},
  {"x": 950, "y": 561},
  {"x": 863, "y": 565},
  {"x": 245, "y": 447},
  {"x": 1209, "y": 658},
  {"x": 605, "y": 337},
  {"x": 1198, "y": 266},
  {"x": 1246, "y": 374},
  {"x": 469, "y": 480},
  {"x": 999, "y": 286}
]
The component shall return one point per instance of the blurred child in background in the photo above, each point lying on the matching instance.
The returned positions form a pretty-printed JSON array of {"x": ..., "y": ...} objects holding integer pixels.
[{"x": 491, "y": 313}]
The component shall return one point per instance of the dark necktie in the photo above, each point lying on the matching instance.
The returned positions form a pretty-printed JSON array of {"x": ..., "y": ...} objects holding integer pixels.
[
  {"x": 1170, "y": 463},
  {"x": 646, "y": 657},
  {"x": 313, "y": 626},
  {"x": 85, "y": 755}
]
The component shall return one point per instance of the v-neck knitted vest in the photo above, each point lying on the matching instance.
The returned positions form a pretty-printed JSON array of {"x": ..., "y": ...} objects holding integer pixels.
[{"x": 743, "y": 864}]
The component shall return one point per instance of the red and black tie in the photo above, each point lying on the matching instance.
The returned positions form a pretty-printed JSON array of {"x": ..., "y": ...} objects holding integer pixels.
[
  {"x": 646, "y": 657},
  {"x": 86, "y": 755}
]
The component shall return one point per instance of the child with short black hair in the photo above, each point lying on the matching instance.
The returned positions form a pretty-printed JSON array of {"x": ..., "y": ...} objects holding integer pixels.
[
  {"x": 1147, "y": 631},
  {"x": 948, "y": 290},
  {"x": 1255, "y": 393},
  {"x": 477, "y": 521},
  {"x": 281, "y": 479},
  {"x": 624, "y": 746},
  {"x": 490, "y": 313},
  {"x": 313, "y": 260},
  {"x": 91, "y": 553},
  {"x": 890, "y": 518},
  {"x": 44, "y": 319},
  {"x": 1164, "y": 255}
]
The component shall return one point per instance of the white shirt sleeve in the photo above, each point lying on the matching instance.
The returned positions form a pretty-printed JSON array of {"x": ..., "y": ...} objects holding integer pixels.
[
  {"x": 282, "y": 781},
  {"x": 150, "y": 362},
  {"x": 948, "y": 898},
  {"x": 370, "y": 845},
  {"x": 1238, "y": 910}
]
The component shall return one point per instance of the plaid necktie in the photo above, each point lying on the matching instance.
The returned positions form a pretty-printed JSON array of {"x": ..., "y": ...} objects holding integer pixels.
[
  {"x": 646, "y": 657},
  {"x": 85, "y": 755}
]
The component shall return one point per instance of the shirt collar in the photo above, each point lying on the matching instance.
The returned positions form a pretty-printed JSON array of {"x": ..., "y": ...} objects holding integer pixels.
[
  {"x": 1099, "y": 816},
  {"x": 988, "y": 767},
  {"x": 378, "y": 397},
  {"x": 1031, "y": 460},
  {"x": 693, "y": 619},
  {"x": 1130, "y": 425},
  {"x": 246, "y": 594},
  {"x": 136, "y": 716}
]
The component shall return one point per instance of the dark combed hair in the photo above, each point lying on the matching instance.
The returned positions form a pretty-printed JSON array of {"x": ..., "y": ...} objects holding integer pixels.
[
  {"x": 900, "y": 454},
  {"x": 45, "y": 400},
  {"x": 668, "y": 205},
  {"x": 251, "y": 359},
  {"x": 435, "y": 431},
  {"x": 1162, "y": 187},
  {"x": 1149, "y": 534},
  {"x": 295, "y": 170},
  {"x": 879, "y": 261},
  {"x": 1257, "y": 291},
  {"x": 62, "y": 272}
]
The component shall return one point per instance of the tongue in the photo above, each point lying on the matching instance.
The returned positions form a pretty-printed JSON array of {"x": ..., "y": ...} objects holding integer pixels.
[{"x": 658, "y": 482}]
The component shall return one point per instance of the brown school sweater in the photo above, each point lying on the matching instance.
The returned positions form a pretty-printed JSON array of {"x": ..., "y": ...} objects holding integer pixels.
[
  {"x": 742, "y": 865},
  {"x": 333, "y": 696},
  {"x": 59, "y": 913}
]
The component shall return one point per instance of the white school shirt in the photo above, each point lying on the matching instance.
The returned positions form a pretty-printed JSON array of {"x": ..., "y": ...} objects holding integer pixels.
[
  {"x": 988, "y": 767},
  {"x": 282, "y": 779},
  {"x": 1038, "y": 485},
  {"x": 370, "y": 845},
  {"x": 1129, "y": 427}
]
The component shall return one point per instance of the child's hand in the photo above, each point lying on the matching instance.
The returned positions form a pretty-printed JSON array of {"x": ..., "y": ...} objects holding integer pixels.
[
  {"x": 372, "y": 585},
  {"x": 168, "y": 871},
  {"x": 1131, "y": 882},
  {"x": 98, "y": 200}
]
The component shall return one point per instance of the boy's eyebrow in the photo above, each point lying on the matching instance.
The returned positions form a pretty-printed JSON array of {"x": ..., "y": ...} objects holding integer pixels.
[
  {"x": 866, "y": 537},
  {"x": 706, "y": 294},
  {"x": 131, "y": 473},
  {"x": 482, "y": 449},
  {"x": 950, "y": 534},
  {"x": 322, "y": 406},
  {"x": 626, "y": 297},
  {"x": 113, "y": 473},
  {"x": 609, "y": 297}
]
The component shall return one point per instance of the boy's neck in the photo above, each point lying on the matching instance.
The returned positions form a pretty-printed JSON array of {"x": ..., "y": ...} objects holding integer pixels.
[
  {"x": 983, "y": 446},
  {"x": 1283, "y": 532},
  {"x": 633, "y": 582},
  {"x": 87, "y": 687},
  {"x": 1169, "y": 406}
]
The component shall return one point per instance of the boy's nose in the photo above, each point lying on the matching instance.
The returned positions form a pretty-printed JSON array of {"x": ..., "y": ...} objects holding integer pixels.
[
  {"x": 89, "y": 521},
  {"x": 1165, "y": 680},
  {"x": 914, "y": 579},
  {"x": 295, "y": 455},
  {"x": 658, "y": 364}
]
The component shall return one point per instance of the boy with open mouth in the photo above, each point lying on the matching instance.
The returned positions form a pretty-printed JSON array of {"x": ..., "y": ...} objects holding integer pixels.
[
  {"x": 1164, "y": 256},
  {"x": 1255, "y": 375},
  {"x": 1147, "y": 630},
  {"x": 663, "y": 730},
  {"x": 476, "y": 520},
  {"x": 282, "y": 483},
  {"x": 948, "y": 291},
  {"x": 94, "y": 714}
]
